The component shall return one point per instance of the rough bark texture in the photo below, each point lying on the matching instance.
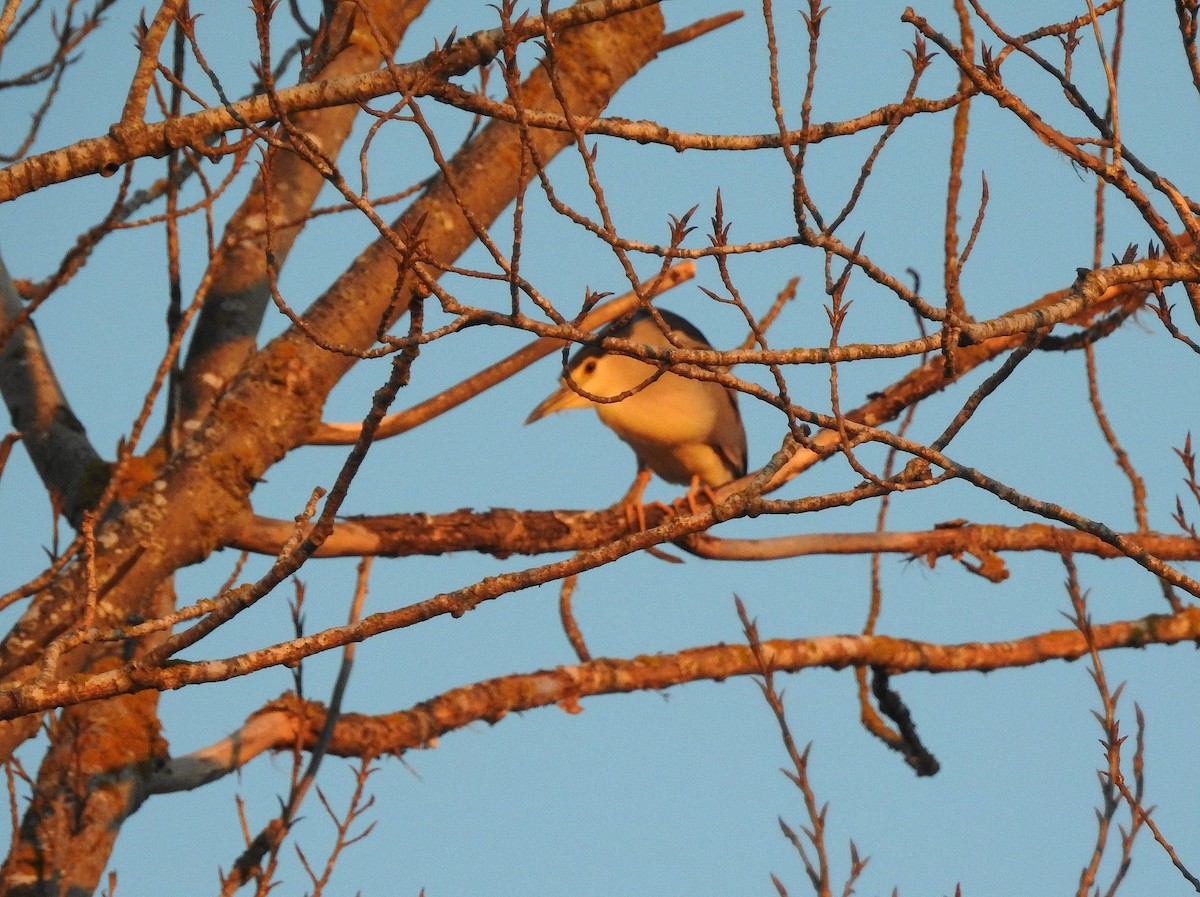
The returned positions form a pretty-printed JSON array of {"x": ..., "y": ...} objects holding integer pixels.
[
  {"x": 61, "y": 452},
  {"x": 89, "y": 782},
  {"x": 227, "y": 328},
  {"x": 91, "y": 779}
]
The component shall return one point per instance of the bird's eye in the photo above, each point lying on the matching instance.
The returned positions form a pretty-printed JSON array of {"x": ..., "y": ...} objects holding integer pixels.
[{"x": 589, "y": 366}]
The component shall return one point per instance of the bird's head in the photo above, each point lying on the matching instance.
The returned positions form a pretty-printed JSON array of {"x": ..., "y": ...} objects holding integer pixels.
[{"x": 601, "y": 373}]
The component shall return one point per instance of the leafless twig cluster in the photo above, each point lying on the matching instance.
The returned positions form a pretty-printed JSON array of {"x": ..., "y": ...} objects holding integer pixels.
[{"x": 101, "y": 632}]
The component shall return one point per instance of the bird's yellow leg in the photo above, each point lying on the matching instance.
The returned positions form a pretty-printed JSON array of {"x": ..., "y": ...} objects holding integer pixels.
[
  {"x": 631, "y": 502},
  {"x": 689, "y": 498},
  {"x": 635, "y": 510},
  {"x": 638, "y": 488},
  {"x": 693, "y": 491}
]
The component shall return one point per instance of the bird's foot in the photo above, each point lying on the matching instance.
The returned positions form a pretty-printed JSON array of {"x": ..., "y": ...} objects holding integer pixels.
[
  {"x": 635, "y": 512},
  {"x": 631, "y": 501},
  {"x": 698, "y": 496}
]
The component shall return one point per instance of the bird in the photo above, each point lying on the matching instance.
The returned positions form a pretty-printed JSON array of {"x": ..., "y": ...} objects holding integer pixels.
[{"x": 686, "y": 431}]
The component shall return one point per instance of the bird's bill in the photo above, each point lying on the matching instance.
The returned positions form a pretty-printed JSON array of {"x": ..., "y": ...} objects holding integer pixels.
[{"x": 562, "y": 399}]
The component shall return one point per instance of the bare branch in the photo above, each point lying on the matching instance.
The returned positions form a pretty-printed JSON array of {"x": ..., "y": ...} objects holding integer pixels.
[
  {"x": 55, "y": 439},
  {"x": 106, "y": 155},
  {"x": 402, "y": 422},
  {"x": 359, "y": 735}
]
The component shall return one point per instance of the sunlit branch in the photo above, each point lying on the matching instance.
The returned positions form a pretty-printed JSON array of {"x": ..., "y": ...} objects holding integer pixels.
[
  {"x": 981, "y": 541},
  {"x": 133, "y": 140},
  {"x": 226, "y": 331},
  {"x": 394, "y": 733},
  {"x": 56, "y": 441},
  {"x": 403, "y": 421}
]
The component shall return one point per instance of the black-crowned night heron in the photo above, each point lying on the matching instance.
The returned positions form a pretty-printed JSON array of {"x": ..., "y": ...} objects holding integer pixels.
[{"x": 686, "y": 431}]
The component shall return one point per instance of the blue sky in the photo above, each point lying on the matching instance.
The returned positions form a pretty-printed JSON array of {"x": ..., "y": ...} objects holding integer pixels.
[{"x": 679, "y": 793}]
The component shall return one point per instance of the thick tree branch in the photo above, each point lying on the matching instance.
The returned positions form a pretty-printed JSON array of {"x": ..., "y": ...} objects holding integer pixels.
[
  {"x": 135, "y": 140},
  {"x": 503, "y": 532},
  {"x": 23, "y": 699},
  {"x": 89, "y": 782},
  {"x": 500, "y": 531},
  {"x": 269, "y": 729},
  {"x": 980, "y": 540},
  {"x": 71, "y": 469},
  {"x": 280, "y": 723},
  {"x": 274, "y": 406},
  {"x": 241, "y": 289}
]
